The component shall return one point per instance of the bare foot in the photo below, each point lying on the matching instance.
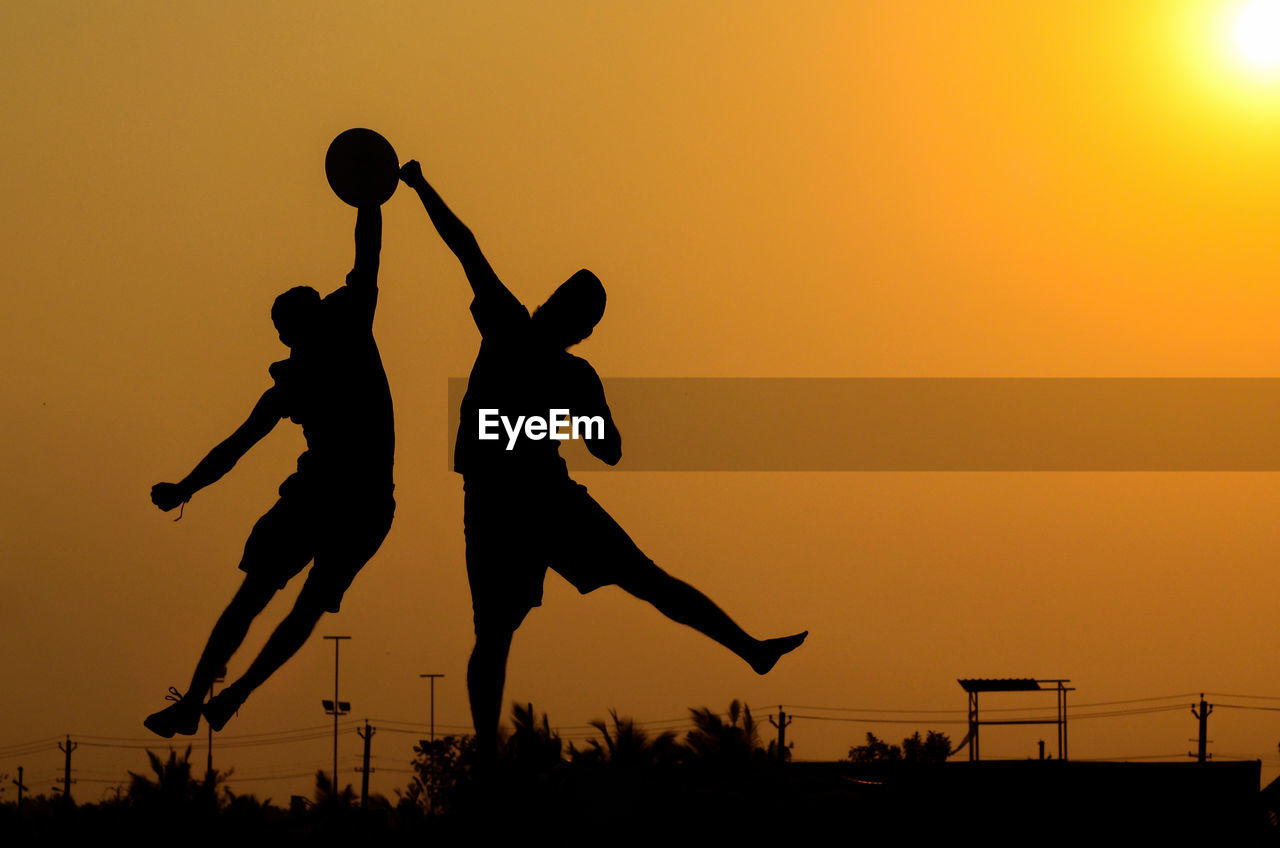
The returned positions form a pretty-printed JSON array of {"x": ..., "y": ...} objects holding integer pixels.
[{"x": 771, "y": 650}]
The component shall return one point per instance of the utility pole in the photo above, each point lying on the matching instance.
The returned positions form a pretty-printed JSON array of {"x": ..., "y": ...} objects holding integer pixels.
[
  {"x": 781, "y": 724},
  {"x": 432, "y": 719},
  {"x": 1203, "y": 715},
  {"x": 1042, "y": 749},
  {"x": 21, "y": 787},
  {"x": 338, "y": 709},
  {"x": 364, "y": 783},
  {"x": 66, "y": 768}
]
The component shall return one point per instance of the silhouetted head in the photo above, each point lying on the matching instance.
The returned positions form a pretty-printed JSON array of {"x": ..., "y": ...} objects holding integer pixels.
[
  {"x": 296, "y": 314},
  {"x": 572, "y": 311}
]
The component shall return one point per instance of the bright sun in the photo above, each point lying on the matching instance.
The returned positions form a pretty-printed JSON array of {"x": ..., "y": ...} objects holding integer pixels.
[{"x": 1257, "y": 32}]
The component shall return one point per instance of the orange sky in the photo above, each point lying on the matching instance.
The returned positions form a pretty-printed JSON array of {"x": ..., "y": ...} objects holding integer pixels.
[{"x": 766, "y": 189}]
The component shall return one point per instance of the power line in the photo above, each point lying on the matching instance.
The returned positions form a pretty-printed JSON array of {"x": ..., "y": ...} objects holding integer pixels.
[
  {"x": 48, "y": 740},
  {"x": 1074, "y": 716},
  {"x": 992, "y": 709},
  {"x": 880, "y": 720},
  {"x": 310, "y": 773},
  {"x": 113, "y": 780},
  {"x": 27, "y": 752},
  {"x": 221, "y": 738},
  {"x": 864, "y": 709},
  {"x": 582, "y": 732},
  {"x": 1128, "y": 758},
  {"x": 235, "y": 773},
  {"x": 247, "y": 741},
  {"x": 1247, "y": 707},
  {"x": 1120, "y": 713}
]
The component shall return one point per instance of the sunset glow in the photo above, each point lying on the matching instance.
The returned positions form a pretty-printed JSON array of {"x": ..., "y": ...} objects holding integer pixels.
[
  {"x": 1257, "y": 33},
  {"x": 824, "y": 189}
]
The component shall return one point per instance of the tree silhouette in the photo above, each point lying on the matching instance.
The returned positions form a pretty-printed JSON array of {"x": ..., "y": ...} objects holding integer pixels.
[
  {"x": 440, "y": 768},
  {"x": 245, "y": 807},
  {"x": 875, "y": 751},
  {"x": 445, "y": 770},
  {"x": 173, "y": 787},
  {"x": 532, "y": 746},
  {"x": 327, "y": 796},
  {"x": 627, "y": 746},
  {"x": 934, "y": 748},
  {"x": 728, "y": 744}
]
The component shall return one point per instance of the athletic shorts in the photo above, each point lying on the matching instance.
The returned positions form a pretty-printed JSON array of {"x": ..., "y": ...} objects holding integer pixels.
[
  {"x": 340, "y": 534},
  {"x": 514, "y": 533}
]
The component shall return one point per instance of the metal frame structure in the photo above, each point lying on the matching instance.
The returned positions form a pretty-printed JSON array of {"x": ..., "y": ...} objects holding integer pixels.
[{"x": 1019, "y": 684}]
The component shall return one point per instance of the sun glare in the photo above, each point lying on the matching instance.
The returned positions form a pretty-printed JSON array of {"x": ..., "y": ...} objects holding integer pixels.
[{"x": 1257, "y": 33}]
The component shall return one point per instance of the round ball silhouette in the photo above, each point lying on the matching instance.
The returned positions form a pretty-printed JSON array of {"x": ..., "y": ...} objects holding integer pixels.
[{"x": 362, "y": 168}]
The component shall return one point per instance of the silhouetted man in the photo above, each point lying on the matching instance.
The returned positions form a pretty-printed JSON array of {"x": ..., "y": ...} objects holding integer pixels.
[
  {"x": 522, "y": 512},
  {"x": 336, "y": 508}
]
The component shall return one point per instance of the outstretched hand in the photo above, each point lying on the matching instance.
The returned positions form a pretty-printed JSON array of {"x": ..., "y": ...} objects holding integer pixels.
[
  {"x": 411, "y": 173},
  {"x": 167, "y": 496}
]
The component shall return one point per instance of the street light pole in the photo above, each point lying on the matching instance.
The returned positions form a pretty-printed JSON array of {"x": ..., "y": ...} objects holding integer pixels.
[
  {"x": 337, "y": 709},
  {"x": 433, "y": 702}
]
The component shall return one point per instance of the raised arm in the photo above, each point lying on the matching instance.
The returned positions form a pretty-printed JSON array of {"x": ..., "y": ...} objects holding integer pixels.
[
  {"x": 222, "y": 458},
  {"x": 484, "y": 282},
  {"x": 364, "y": 273}
]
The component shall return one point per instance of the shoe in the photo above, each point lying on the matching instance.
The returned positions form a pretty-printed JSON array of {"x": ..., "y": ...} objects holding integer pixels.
[
  {"x": 182, "y": 716},
  {"x": 222, "y": 706}
]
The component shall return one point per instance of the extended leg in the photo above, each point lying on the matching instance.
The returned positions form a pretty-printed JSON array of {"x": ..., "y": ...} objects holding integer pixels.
[
  {"x": 681, "y": 602},
  {"x": 591, "y": 550},
  {"x": 228, "y": 634},
  {"x": 288, "y": 637},
  {"x": 184, "y": 716},
  {"x": 279, "y": 546},
  {"x": 340, "y": 549}
]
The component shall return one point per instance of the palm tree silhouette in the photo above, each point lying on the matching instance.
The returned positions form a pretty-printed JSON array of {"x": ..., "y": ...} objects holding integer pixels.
[
  {"x": 173, "y": 786},
  {"x": 326, "y": 794},
  {"x": 628, "y": 746},
  {"x": 532, "y": 745},
  {"x": 729, "y": 744}
]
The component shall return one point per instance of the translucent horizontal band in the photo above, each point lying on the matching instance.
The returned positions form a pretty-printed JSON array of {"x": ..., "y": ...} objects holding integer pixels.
[{"x": 936, "y": 424}]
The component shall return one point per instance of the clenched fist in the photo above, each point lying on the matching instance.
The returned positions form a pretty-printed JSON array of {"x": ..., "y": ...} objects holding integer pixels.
[{"x": 169, "y": 495}]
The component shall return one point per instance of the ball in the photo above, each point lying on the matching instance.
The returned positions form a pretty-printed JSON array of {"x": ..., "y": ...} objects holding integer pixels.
[{"x": 362, "y": 168}]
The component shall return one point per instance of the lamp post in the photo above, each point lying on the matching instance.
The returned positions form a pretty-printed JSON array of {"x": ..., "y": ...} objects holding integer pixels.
[
  {"x": 336, "y": 708},
  {"x": 433, "y": 702}
]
